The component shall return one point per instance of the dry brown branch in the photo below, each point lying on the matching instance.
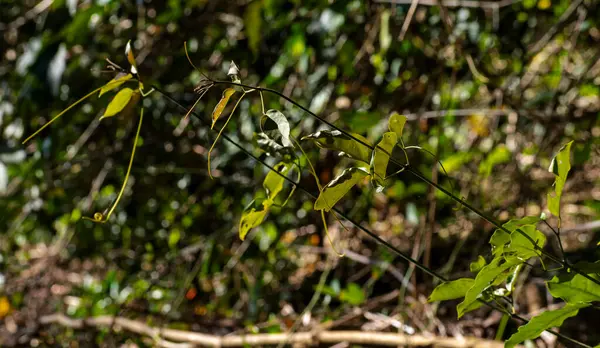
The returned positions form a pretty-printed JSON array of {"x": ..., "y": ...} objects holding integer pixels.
[
  {"x": 457, "y": 3},
  {"x": 461, "y": 112},
  {"x": 409, "y": 16},
  {"x": 168, "y": 337}
]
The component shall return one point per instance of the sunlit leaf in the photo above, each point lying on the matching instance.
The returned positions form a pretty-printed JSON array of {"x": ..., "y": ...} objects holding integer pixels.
[
  {"x": 253, "y": 217},
  {"x": 476, "y": 266},
  {"x": 381, "y": 158},
  {"x": 120, "y": 79},
  {"x": 336, "y": 140},
  {"x": 252, "y": 24},
  {"x": 131, "y": 58},
  {"x": 174, "y": 237},
  {"x": 221, "y": 105},
  {"x": 540, "y": 323},
  {"x": 486, "y": 276},
  {"x": 574, "y": 287},
  {"x": 338, "y": 187},
  {"x": 521, "y": 247},
  {"x": 273, "y": 182},
  {"x": 274, "y": 118},
  {"x": 500, "y": 154},
  {"x": 396, "y": 124},
  {"x": 118, "y": 103},
  {"x": 500, "y": 237},
  {"x": 451, "y": 290},
  {"x": 560, "y": 166},
  {"x": 353, "y": 294}
]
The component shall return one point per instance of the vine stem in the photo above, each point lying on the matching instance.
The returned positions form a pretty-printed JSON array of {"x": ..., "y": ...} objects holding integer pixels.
[
  {"x": 418, "y": 175},
  {"x": 355, "y": 223}
]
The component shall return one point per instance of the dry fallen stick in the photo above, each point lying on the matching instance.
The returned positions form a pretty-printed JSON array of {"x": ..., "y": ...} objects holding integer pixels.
[
  {"x": 161, "y": 336},
  {"x": 457, "y": 3}
]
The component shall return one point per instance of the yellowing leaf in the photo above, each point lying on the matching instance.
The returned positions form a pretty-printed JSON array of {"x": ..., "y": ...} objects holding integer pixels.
[
  {"x": 221, "y": 105},
  {"x": 4, "y": 307},
  {"x": 479, "y": 125},
  {"x": 338, "y": 187},
  {"x": 544, "y": 4},
  {"x": 273, "y": 182},
  {"x": 118, "y": 103},
  {"x": 253, "y": 217},
  {"x": 130, "y": 57},
  {"x": 120, "y": 79}
]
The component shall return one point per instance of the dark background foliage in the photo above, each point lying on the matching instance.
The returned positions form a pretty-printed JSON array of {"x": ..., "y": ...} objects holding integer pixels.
[{"x": 520, "y": 81}]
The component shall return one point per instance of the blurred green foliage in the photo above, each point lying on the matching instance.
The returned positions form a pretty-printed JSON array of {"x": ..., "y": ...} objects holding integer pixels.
[{"x": 519, "y": 81}]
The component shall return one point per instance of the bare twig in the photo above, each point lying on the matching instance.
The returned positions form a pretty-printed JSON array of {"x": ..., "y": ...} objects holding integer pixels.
[
  {"x": 409, "y": 16},
  {"x": 457, "y": 3},
  {"x": 554, "y": 29},
  {"x": 168, "y": 337}
]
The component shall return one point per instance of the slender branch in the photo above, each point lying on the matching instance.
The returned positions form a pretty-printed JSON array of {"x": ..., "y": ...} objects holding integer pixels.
[
  {"x": 349, "y": 219},
  {"x": 190, "y": 338},
  {"x": 557, "y": 234},
  {"x": 419, "y": 176}
]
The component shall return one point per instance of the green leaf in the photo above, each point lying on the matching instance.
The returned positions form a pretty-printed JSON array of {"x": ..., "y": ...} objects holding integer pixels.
[
  {"x": 353, "y": 294},
  {"x": 542, "y": 322},
  {"x": 575, "y": 288},
  {"x": 273, "y": 182},
  {"x": 396, "y": 124},
  {"x": 274, "y": 118},
  {"x": 500, "y": 238},
  {"x": 499, "y": 155},
  {"x": 336, "y": 140},
  {"x": 174, "y": 237},
  {"x": 118, "y": 103},
  {"x": 253, "y": 217},
  {"x": 381, "y": 158},
  {"x": 560, "y": 166},
  {"x": 483, "y": 281},
  {"x": 253, "y": 23},
  {"x": 476, "y": 266},
  {"x": 227, "y": 93},
  {"x": 338, "y": 187},
  {"x": 451, "y": 290},
  {"x": 521, "y": 247},
  {"x": 271, "y": 147},
  {"x": 120, "y": 79}
]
